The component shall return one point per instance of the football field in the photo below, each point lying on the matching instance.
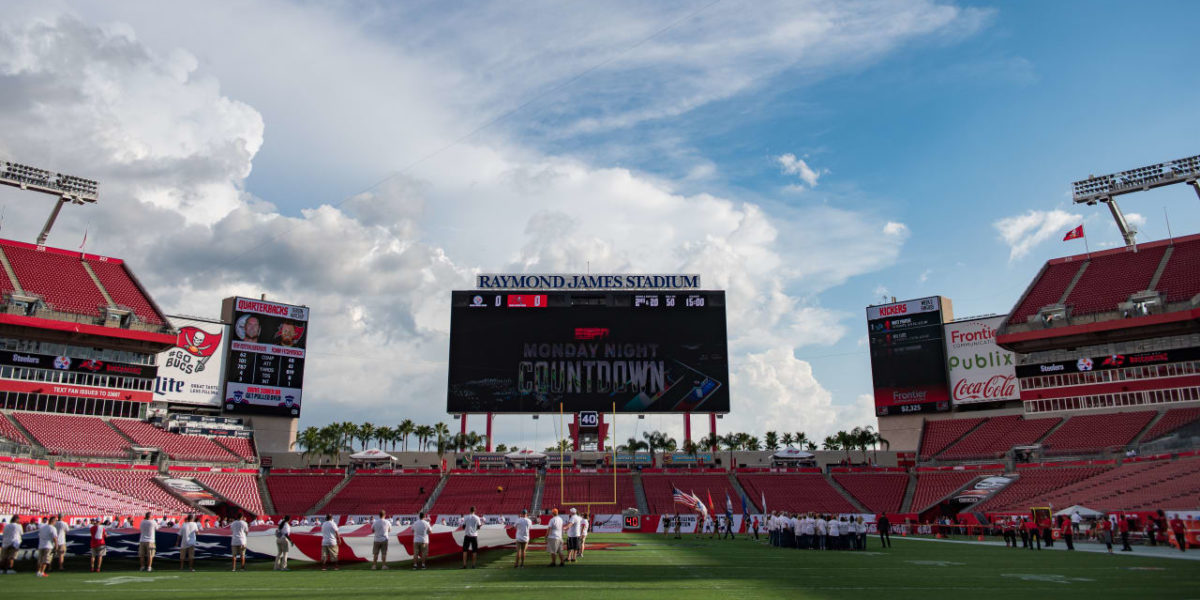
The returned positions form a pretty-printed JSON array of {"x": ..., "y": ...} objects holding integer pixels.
[{"x": 625, "y": 567}]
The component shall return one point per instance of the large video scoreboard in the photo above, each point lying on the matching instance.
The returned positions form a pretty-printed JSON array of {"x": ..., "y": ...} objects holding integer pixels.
[
  {"x": 651, "y": 351},
  {"x": 908, "y": 356},
  {"x": 265, "y": 368}
]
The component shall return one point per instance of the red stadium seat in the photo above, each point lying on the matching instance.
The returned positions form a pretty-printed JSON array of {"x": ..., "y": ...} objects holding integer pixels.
[
  {"x": 1048, "y": 288},
  {"x": 1088, "y": 434},
  {"x": 28, "y": 489},
  {"x": 178, "y": 447},
  {"x": 933, "y": 486},
  {"x": 1172, "y": 420},
  {"x": 490, "y": 494},
  {"x": 120, "y": 285},
  {"x": 297, "y": 494},
  {"x": 138, "y": 484},
  {"x": 583, "y": 489},
  {"x": 877, "y": 492},
  {"x": 57, "y": 276},
  {"x": 1180, "y": 280},
  {"x": 997, "y": 436},
  {"x": 796, "y": 492},
  {"x": 659, "y": 492},
  {"x": 396, "y": 494},
  {"x": 239, "y": 488},
  {"x": 79, "y": 436},
  {"x": 940, "y": 434},
  {"x": 1110, "y": 279}
]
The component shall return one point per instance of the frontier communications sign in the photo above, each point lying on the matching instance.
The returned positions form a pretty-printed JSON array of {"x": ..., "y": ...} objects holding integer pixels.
[
  {"x": 579, "y": 281},
  {"x": 980, "y": 371}
]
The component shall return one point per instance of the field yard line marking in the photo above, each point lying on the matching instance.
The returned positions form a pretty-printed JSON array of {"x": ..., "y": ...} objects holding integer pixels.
[
  {"x": 1081, "y": 547},
  {"x": 540, "y": 586}
]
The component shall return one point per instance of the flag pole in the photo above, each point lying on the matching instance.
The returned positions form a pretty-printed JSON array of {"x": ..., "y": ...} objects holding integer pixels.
[
  {"x": 1085, "y": 245},
  {"x": 1168, "y": 220}
]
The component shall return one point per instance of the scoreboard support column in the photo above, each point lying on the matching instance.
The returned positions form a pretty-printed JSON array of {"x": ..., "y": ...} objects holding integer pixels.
[
  {"x": 463, "y": 424},
  {"x": 712, "y": 428},
  {"x": 575, "y": 431},
  {"x": 687, "y": 426},
  {"x": 601, "y": 427},
  {"x": 489, "y": 432}
]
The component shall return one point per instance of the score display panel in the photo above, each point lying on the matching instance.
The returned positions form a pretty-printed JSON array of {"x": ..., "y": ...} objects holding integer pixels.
[
  {"x": 264, "y": 371},
  {"x": 908, "y": 357},
  {"x": 662, "y": 352}
]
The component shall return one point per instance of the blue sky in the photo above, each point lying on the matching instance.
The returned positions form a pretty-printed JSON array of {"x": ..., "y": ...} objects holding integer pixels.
[{"x": 809, "y": 157}]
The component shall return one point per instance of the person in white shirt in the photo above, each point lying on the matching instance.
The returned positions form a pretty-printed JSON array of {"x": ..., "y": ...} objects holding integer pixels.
[
  {"x": 60, "y": 543},
  {"x": 382, "y": 528},
  {"x": 523, "y": 526},
  {"x": 471, "y": 525},
  {"x": 187, "y": 542},
  {"x": 47, "y": 539},
  {"x": 330, "y": 538},
  {"x": 283, "y": 543},
  {"x": 554, "y": 544},
  {"x": 821, "y": 530},
  {"x": 583, "y": 531},
  {"x": 420, "y": 531},
  {"x": 574, "y": 523},
  {"x": 834, "y": 530},
  {"x": 237, "y": 540},
  {"x": 10, "y": 544},
  {"x": 148, "y": 532}
]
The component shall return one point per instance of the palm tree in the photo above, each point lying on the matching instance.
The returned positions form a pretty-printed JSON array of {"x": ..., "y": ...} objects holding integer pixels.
[
  {"x": 382, "y": 435},
  {"x": 310, "y": 440},
  {"x": 846, "y": 441},
  {"x": 633, "y": 445},
  {"x": 730, "y": 441},
  {"x": 831, "y": 443},
  {"x": 406, "y": 429},
  {"x": 800, "y": 439},
  {"x": 811, "y": 447},
  {"x": 753, "y": 444},
  {"x": 501, "y": 448},
  {"x": 347, "y": 430},
  {"x": 364, "y": 433},
  {"x": 423, "y": 432},
  {"x": 711, "y": 441},
  {"x": 441, "y": 430},
  {"x": 691, "y": 449},
  {"x": 786, "y": 440},
  {"x": 771, "y": 440}
]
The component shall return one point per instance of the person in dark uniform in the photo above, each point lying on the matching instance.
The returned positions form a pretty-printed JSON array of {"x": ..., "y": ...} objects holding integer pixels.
[
  {"x": 1024, "y": 531},
  {"x": 1035, "y": 536},
  {"x": 1180, "y": 531},
  {"x": 885, "y": 531},
  {"x": 1047, "y": 527}
]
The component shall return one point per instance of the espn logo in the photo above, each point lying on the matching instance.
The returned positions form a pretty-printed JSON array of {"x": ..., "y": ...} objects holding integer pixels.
[{"x": 591, "y": 333}]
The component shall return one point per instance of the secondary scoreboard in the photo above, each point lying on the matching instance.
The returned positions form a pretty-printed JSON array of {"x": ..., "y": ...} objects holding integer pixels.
[
  {"x": 645, "y": 351},
  {"x": 908, "y": 356},
  {"x": 267, "y": 346}
]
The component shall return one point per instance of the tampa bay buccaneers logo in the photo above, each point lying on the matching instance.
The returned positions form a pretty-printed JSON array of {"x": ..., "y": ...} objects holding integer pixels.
[{"x": 198, "y": 343}]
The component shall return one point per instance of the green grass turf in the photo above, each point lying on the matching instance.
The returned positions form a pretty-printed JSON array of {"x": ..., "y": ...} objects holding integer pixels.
[{"x": 654, "y": 566}]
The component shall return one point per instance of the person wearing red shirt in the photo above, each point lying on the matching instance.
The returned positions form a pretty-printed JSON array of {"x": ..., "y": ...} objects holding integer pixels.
[
  {"x": 1047, "y": 531},
  {"x": 1035, "y": 534},
  {"x": 1123, "y": 528},
  {"x": 1106, "y": 533},
  {"x": 99, "y": 544},
  {"x": 1180, "y": 532},
  {"x": 1068, "y": 531}
]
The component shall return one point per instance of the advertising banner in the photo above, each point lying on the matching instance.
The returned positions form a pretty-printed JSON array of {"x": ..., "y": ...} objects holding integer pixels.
[
  {"x": 73, "y": 365},
  {"x": 190, "y": 372},
  {"x": 980, "y": 371},
  {"x": 1112, "y": 361}
]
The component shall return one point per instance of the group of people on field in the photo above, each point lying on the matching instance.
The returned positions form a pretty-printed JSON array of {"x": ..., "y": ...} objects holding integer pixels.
[{"x": 815, "y": 531}]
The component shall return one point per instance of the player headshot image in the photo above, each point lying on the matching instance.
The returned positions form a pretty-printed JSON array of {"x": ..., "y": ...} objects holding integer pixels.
[
  {"x": 289, "y": 334},
  {"x": 248, "y": 329}
]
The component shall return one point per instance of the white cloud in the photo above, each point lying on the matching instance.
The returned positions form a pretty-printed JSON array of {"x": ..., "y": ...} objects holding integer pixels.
[
  {"x": 1023, "y": 232},
  {"x": 924, "y": 276},
  {"x": 173, "y": 148},
  {"x": 790, "y": 165}
]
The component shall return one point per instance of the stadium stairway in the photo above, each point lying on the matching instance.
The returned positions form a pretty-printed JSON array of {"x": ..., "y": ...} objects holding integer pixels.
[
  {"x": 316, "y": 509},
  {"x": 100, "y": 286},
  {"x": 8, "y": 270},
  {"x": 1137, "y": 439},
  {"x": 751, "y": 502},
  {"x": 909, "y": 492},
  {"x": 845, "y": 494},
  {"x": 539, "y": 488},
  {"x": 124, "y": 436},
  {"x": 29, "y": 439},
  {"x": 640, "y": 493},
  {"x": 437, "y": 491},
  {"x": 267, "y": 502}
]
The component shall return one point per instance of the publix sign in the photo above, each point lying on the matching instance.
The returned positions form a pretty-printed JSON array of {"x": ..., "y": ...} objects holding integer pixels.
[{"x": 980, "y": 371}]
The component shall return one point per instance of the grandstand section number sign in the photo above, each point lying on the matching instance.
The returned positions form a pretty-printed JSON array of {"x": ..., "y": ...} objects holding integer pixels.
[
  {"x": 645, "y": 351},
  {"x": 589, "y": 420},
  {"x": 265, "y": 368}
]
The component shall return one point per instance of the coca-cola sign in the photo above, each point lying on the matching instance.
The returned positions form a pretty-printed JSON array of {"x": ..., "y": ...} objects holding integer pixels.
[{"x": 980, "y": 371}]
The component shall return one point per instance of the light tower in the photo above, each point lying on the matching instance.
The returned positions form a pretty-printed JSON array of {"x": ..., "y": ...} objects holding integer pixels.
[
  {"x": 68, "y": 188},
  {"x": 1106, "y": 188}
]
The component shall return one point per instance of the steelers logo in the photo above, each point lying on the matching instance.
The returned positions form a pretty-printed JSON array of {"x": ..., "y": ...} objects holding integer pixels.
[{"x": 1084, "y": 364}]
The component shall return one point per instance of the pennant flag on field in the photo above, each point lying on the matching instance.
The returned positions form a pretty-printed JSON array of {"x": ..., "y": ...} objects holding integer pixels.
[
  {"x": 1074, "y": 234},
  {"x": 745, "y": 511},
  {"x": 764, "y": 503},
  {"x": 728, "y": 504},
  {"x": 711, "y": 506}
]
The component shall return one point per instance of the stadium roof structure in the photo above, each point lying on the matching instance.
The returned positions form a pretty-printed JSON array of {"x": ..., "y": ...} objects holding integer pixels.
[
  {"x": 68, "y": 294},
  {"x": 1129, "y": 293}
]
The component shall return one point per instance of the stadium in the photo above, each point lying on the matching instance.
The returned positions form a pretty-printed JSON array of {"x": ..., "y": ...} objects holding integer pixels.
[
  {"x": 231, "y": 391},
  {"x": 1082, "y": 403}
]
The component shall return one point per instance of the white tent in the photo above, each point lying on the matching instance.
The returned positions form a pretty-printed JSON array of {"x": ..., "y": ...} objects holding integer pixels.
[
  {"x": 372, "y": 455},
  {"x": 1083, "y": 511},
  {"x": 793, "y": 453}
]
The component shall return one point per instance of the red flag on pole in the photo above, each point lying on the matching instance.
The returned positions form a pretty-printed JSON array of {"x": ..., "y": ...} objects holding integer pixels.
[
  {"x": 1074, "y": 234},
  {"x": 710, "y": 502}
]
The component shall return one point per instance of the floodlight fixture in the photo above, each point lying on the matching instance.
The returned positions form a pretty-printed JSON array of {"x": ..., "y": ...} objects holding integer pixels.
[
  {"x": 1105, "y": 188},
  {"x": 68, "y": 188}
]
